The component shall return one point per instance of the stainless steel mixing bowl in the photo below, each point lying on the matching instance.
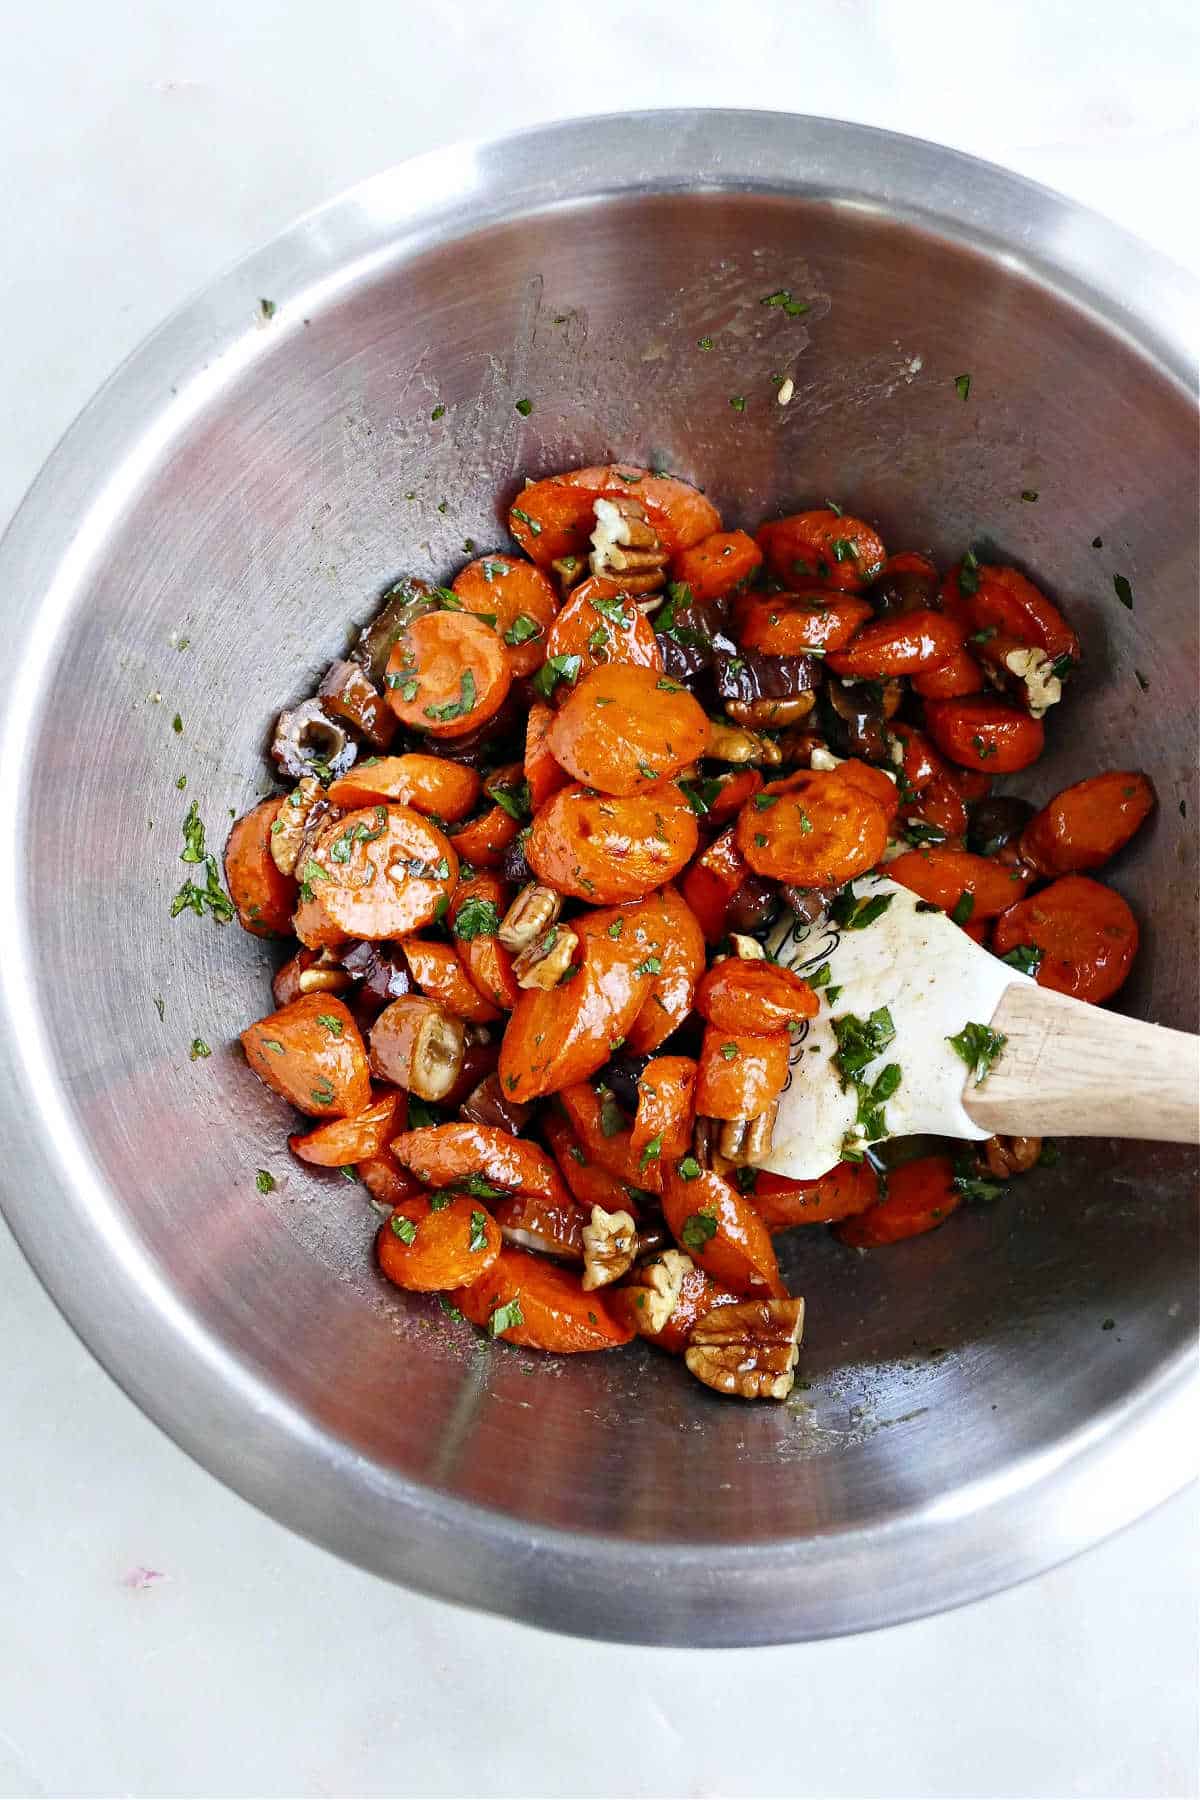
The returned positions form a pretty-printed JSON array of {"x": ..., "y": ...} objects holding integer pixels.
[{"x": 246, "y": 485}]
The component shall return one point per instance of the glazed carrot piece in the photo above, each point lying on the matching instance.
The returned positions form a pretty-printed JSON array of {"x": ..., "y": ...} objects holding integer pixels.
[
  {"x": 1002, "y": 599},
  {"x": 439, "y": 1242},
  {"x": 350, "y": 1140},
  {"x": 717, "y": 564},
  {"x": 385, "y": 1180},
  {"x": 598, "y": 625},
  {"x": 474, "y": 928},
  {"x": 790, "y": 624},
  {"x": 286, "y": 984},
  {"x": 825, "y": 546},
  {"x": 429, "y": 784},
  {"x": 733, "y": 788},
  {"x": 312, "y": 1054},
  {"x": 712, "y": 881},
  {"x": 662, "y": 1126},
  {"x": 910, "y": 562},
  {"x": 958, "y": 676},
  {"x": 944, "y": 876},
  {"x": 265, "y": 899},
  {"x": 906, "y": 644},
  {"x": 676, "y": 941},
  {"x": 516, "y": 599},
  {"x": 782, "y": 1202},
  {"x": 1086, "y": 933},
  {"x": 590, "y": 1184},
  {"x": 985, "y": 734},
  {"x": 1085, "y": 825},
  {"x": 561, "y": 1035},
  {"x": 447, "y": 674},
  {"x": 978, "y": 930},
  {"x": 941, "y": 805},
  {"x": 624, "y": 728},
  {"x": 417, "y": 1045},
  {"x": 551, "y": 1228},
  {"x": 483, "y": 841},
  {"x": 920, "y": 762},
  {"x": 747, "y": 995},
  {"x": 698, "y": 1295},
  {"x": 606, "y": 1140},
  {"x": 541, "y": 770},
  {"x": 741, "y": 1073},
  {"x": 381, "y": 872},
  {"x": 528, "y": 1301},
  {"x": 553, "y": 518},
  {"x": 438, "y": 972},
  {"x": 601, "y": 847},
  {"x": 921, "y": 1195},
  {"x": 873, "y": 782},
  {"x": 448, "y": 1155},
  {"x": 720, "y": 1230},
  {"x": 814, "y": 828}
]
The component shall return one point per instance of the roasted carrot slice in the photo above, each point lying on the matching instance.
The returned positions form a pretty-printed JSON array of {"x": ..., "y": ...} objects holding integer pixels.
[
  {"x": 624, "y": 728},
  {"x": 678, "y": 947},
  {"x": 385, "y": 1180},
  {"x": 516, "y": 599},
  {"x": 483, "y": 841},
  {"x": 382, "y": 872},
  {"x": 434, "y": 1242},
  {"x": 940, "y": 804},
  {"x": 879, "y": 786},
  {"x": 352, "y": 1140},
  {"x": 264, "y": 898},
  {"x": 449, "y": 1155},
  {"x": 1086, "y": 933},
  {"x": 815, "y": 829},
  {"x": 541, "y": 770},
  {"x": 606, "y": 1140},
  {"x": 1002, "y": 599},
  {"x": 598, "y": 625},
  {"x": 698, "y": 1295},
  {"x": 921, "y": 1195},
  {"x": 312, "y": 1054},
  {"x": 429, "y": 784},
  {"x": 985, "y": 734},
  {"x": 726, "y": 794},
  {"x": 719, "y": 1229},
  {"x": 716, "y": 565},
  {"x": 476, "y": 912},
  {"x": 536, "y": 1303},
  {"x": 741, "y": 1072},
  {"x": 907, "y": 644},
  {"x": 1084, "y": 826},
  {"x": 781, "y": 1202},
  {"x": 959, "y": 675},
  {"x": 662, "y": 1126},
  {"x": 590, "y": 1184},
  {"x": 554, "y": 518},
  {"x": 601, "y": 847},
  {"x": 561, "y": 1035},
  {"x": 825, "y": 546},
  {"x": 549, "y": 1227},
  {"x": 712, "y": 881},
  {"x": 747, "y": 995},
  {"x": 944, "y": 877},
  {"x": 437, "y": 971},
  {"x": 920, "y": 762},
  {"x": 791, "y": 624},
  {"x": 447, "y": 674}
]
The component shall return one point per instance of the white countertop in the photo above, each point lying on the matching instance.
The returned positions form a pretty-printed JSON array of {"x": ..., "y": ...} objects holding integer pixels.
[{"x": 157, "y": 1636}]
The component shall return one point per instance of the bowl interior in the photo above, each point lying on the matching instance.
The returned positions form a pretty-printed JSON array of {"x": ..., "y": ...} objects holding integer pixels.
[{"x": 299, "y": 476}]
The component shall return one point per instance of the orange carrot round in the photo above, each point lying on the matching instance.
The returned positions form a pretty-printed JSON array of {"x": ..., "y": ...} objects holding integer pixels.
[
  {"x": 310, "y": 1052},
  {"x": 662, "y": 1126},
  {"x": 381, "y": 872},
  {"x": 959, "y": 675},
  {"x": 985, "y": 734},
  {"x": 824, "y": 546},
  {"x": 438, "y": 972},
  {"x": 782, "y": 1202},
  {"x": 714, "y": 566},
  {"x": 516, "y": 599},
  {"x": 676, "y": 943},
  {"x": 542, "y": 772},
  {"x": 624, "y": 728},
  {"x": 429, "y": 784},
  {"x": 446, "y": 1155},
  {"x": 528, "y": 1301},
  {"x": 720, "y": 1230},
  {"x": 434, "y": 1243},
  {"x": 351, "y": 1140},
  {"x": 920, "y": 1196},
  {"x": 561, "y": 1035},
  {"x": 791, "y": 624},
  {"x": 1002, "y": 599},
  {"x": 741, "y": 1073},
  {"x": 944, "y": 876},
  {"x": 553, "y": 518},
  {"x": 1085, "y": 825},
  {"x": 1086, "y": 933},
  {"x": 748, "y": 995},
  {"x": 601, "y": 847},
  {"x": 597, "y": 626},
  {"x": 906, "y": 644},
  {"x": 712, "y": 881},
  {"x": 265, "y": 898},
  {"x": 814, "y": 829},
  {"x": 447, "y": 674}
]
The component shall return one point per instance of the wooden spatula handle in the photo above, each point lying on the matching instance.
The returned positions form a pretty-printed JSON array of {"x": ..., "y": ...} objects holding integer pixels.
[{"x": 1079, "y": 1071}]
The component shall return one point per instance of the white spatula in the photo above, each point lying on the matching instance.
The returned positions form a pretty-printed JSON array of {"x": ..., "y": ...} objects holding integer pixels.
[{"x": 915, "y": 981}]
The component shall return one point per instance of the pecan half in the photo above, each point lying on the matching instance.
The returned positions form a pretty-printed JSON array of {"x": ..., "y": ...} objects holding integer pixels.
[
  {"x": 547, "y": 959},
  {"x": 610, "y": 1243},
  {"x": 747, "y": 1141},
  {"x": 733, "y": 744},
  {"x": 1005, "y": 1156},
  {"x": 706, "y": 1141},
  {"x": 625, "y": 547},
  {"x": 652, "y": 1292},
  {"x": 531, "y": 914},
  {"x": 750, "y": 1349}
]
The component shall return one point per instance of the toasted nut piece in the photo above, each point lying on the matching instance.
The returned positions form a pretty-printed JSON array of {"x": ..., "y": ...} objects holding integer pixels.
[
  {"x": 654, "y": 1289},
  {"x": 750, "y": 1349},
  {"x": 1005, "y": 1156},
  {"x": 304, "y": 805},
  {"x": 545, "y": 962},
  {"x": 1034, "y": 675},
  {"x": 706, "y": 1137},
  {"x": 625, "y": 547},
  {"x": 747, "y": 1141},
  {"x": 729, "y": 743},
  {"x": 318, "y": 979},
  {"x": 799, "y": 747},
  {"x": 532, "y": 912},
  {"x": 610, "y": 1244},
  {"x": 570, "y": 571},
  {"x": 418, "y": 1046},
  {"x": 773, "y": 714},
  {"x": 746, "y": 949}
]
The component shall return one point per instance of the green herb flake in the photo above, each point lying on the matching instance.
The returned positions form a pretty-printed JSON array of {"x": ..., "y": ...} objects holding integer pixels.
[
  {"x": 524, "y": 407},
  {"x": 962, "y": 386},
  {"x": 439, "y": 412},
  {"x": 404, "y": 1228},
  {"x": 476, "y": 918},
  {"x": 968, "y": 573},
  {"x": 531, "y": 525},
  {"x": 267, "y": 309},
  {"x": 854, "y": 912},
  {"x": 556, "y": 669},
  {"x": 1029, "y": 494},
  {"x": 763, "y": 801},
  {"x": 506, "y": 1318},
  {"x": 704, "y": 343},
  {"x": 688, "y": 1169},
  {"x": 1108, "y": 1325},
  {"x": 652, "y": 1152},
  {"x": 738, "y": 402},
  {"x": 478, "y": 1236},
  {"x": 698, "y": 1228},
  {"x": 456, "y": 709},
  {"x": 979, "y": 1047},
  {"x": 199, "y": 1049},
  {"x": 522, "y": 629},
  {"x": 265, "y": 1182},
  {"x": 1025, "y": 957},
  {"x": 963, "y": 907},
  {"x": 181, "y": 783},
  {"x": 730, "y": 1052},
  {"x": 782, "y": 298},
  {"x": 612, "y": 1119},
  {"x": 1123, "y": 591},
  {"x": 333, "y": 1025}
]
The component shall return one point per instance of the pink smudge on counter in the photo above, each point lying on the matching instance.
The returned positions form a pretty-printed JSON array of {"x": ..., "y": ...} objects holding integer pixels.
[{"x": 140, "y": 1577}]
